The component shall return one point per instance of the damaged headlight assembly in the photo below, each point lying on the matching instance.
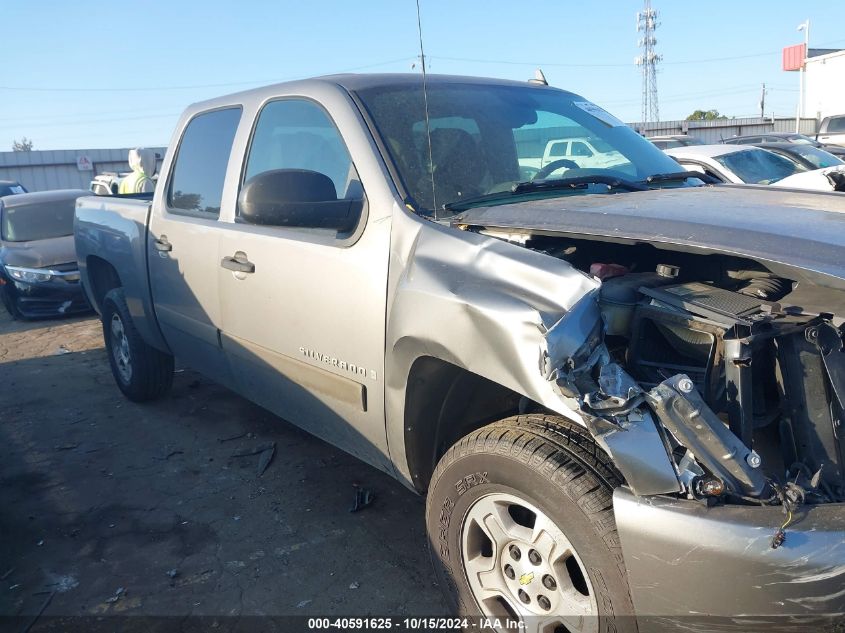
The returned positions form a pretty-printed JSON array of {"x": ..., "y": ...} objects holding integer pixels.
[{"x": 39, "y": 275}]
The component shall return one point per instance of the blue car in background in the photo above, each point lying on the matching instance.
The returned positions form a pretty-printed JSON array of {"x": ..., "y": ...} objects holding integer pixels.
[{"x": 11, "y": 187}]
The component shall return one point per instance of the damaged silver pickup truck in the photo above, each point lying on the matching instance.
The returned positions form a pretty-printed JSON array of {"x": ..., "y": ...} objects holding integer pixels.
[{"x": 621, "y": 388}]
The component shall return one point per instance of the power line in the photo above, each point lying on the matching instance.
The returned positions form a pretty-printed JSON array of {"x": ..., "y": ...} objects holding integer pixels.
[
  {"x": 614, "y": 65},
  {"x": 38, "y": 126},
  {"x": 74, "y": 117},
  {"x": 692, "y": 95},
  {"x": 193, "y": 86}
]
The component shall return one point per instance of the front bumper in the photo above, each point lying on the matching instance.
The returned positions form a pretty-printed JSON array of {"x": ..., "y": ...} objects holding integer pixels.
[
  {"x": 708, "y": 569},
  {"x": 45, "y": 299}
]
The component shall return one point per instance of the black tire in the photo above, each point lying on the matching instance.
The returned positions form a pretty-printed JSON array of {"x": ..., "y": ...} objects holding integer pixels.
[
  {"x": 554, "y": 466},
  {"x": 150, "y": 374}
]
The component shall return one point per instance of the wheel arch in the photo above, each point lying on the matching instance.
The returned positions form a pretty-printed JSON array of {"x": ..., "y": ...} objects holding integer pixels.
[
  {"x": 102, "y": 277},
  {"x": 443, "y": 403}
]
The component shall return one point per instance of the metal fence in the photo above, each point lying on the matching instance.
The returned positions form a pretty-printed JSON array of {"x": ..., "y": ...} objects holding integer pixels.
[
  {"x": 715, "y": 131},
  {"x": 64, "y": 169}
]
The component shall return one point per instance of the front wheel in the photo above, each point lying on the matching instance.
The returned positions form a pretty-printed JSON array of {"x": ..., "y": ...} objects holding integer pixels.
[
  {"x": 520, "y": 524},
  {"x": 141, "y": 371},
  {"x": 10, "y": 304}
]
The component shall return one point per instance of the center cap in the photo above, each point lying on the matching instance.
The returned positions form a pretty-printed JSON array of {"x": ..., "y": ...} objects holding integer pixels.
[{"x": 525, "y": 579}]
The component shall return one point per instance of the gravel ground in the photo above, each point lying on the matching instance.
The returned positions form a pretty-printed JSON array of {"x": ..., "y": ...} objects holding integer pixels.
[{"x": 113, "y": 508}]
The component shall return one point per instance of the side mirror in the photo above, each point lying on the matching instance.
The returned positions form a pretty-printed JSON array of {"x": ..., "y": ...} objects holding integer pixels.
[{"x": 296, "y": 198}]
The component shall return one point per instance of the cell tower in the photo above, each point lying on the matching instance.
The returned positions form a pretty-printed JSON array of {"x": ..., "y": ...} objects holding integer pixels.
[{"x": 646, "y": 25}]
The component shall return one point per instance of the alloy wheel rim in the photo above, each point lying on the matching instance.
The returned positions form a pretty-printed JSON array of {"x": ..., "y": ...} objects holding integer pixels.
[
  {"x": 120, "y": 349},
  {"x": 519, "y": 563}
]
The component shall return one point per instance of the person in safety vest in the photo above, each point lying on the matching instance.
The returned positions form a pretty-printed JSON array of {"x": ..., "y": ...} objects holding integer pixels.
[{"x": 143, "y": 164}]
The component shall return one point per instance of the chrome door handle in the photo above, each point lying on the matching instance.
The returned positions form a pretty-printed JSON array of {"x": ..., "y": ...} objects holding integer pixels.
[
  {"x": 237, "y": 264},
  {"x": 162, "y": 244}
]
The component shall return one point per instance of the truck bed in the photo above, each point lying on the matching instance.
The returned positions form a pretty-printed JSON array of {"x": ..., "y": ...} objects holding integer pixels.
[{"x": 111, "y": 239}]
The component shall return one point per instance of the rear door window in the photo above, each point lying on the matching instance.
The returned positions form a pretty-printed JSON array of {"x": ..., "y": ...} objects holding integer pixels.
[
  {"x": 836, "y": 124},
  {"x": 558, "y": 149},
  {"x": 196, "y": 187}
]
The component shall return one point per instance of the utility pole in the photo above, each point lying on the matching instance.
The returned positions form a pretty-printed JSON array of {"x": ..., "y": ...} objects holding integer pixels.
[
  {"x": 800, "y": 111},
  {"x": 647, "y": 61},
  {"x": 763, "y": 102}
]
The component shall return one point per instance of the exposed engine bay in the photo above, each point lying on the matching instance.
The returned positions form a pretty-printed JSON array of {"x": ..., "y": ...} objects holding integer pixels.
[{"x": 742, "y": 374}]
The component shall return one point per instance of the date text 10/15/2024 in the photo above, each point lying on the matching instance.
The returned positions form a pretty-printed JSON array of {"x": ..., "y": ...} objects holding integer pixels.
[{"x": 415, "y": 624}]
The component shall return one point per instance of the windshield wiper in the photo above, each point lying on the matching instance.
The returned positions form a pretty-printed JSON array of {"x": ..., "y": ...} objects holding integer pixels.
[
  {"x": 556, "y": 184},
  {"x": 680, "y": 175},
  {"x": 577, "y": 182}
]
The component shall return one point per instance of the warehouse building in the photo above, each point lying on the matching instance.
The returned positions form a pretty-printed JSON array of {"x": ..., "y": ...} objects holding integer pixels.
[
  {"x": 64, "y": 168},
  {"x": 823, "y": 88}
]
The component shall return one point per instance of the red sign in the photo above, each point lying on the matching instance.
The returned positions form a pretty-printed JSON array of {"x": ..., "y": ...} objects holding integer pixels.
[{"x": 793, "y": 57}]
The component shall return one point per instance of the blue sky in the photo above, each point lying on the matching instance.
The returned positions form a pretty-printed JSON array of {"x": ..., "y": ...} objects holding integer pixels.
[{"x": 93, "y": 74}]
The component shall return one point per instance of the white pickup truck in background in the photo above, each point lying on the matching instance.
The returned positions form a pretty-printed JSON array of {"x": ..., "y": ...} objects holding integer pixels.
[{"x": 832, "y": 130}]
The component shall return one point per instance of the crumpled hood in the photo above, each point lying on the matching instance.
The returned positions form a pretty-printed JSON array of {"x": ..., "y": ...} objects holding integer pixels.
[
  {"x": 826, "y": 179},
  {"x": 39, "y": 254},
  {"x": 800, "y": 229},
  {"x": 143, "y": 160}
]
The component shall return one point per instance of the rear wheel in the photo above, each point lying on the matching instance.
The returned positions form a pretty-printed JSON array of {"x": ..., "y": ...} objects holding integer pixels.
[
  {"x": 520, "y": 523},
  {"x": 141, "y": 371}
]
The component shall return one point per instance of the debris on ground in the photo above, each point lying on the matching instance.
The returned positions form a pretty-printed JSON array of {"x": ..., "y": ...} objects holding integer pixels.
[
  {"x": 303, "y": 603},
  {"x": 265, "y": 451},
  {"x": 363, "y": 498},
  {"x": 355, "y": 585},
  {"x": 172, "y": 573},
  {"x": 117, "y": 595},
  {"x": 62, "y": 350},
  {"x": 229, "y": 439},
  {"x": 7, "y": 574},
  {"x": 257, "y": 493},
  {"x": 256, "y": 450},
  {"x": 63, "y": 584},
  {"x": 170, "y": 454},
  {"x": 265, "y": 458}
]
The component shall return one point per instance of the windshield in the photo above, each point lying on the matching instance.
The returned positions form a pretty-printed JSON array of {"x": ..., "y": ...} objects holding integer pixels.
[
  {"x": 800, "y": 139},
  {"x": 757, "y": 166},
  {"x": 486, "y": 138},
  {"x": 38, "y": 221},
  {"x": 11, "y": 188},
  {"x": 817, "y": 157}
]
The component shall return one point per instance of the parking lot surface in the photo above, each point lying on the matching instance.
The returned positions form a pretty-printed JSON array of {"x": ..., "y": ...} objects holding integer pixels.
[{"x": 108, "y": 507}]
